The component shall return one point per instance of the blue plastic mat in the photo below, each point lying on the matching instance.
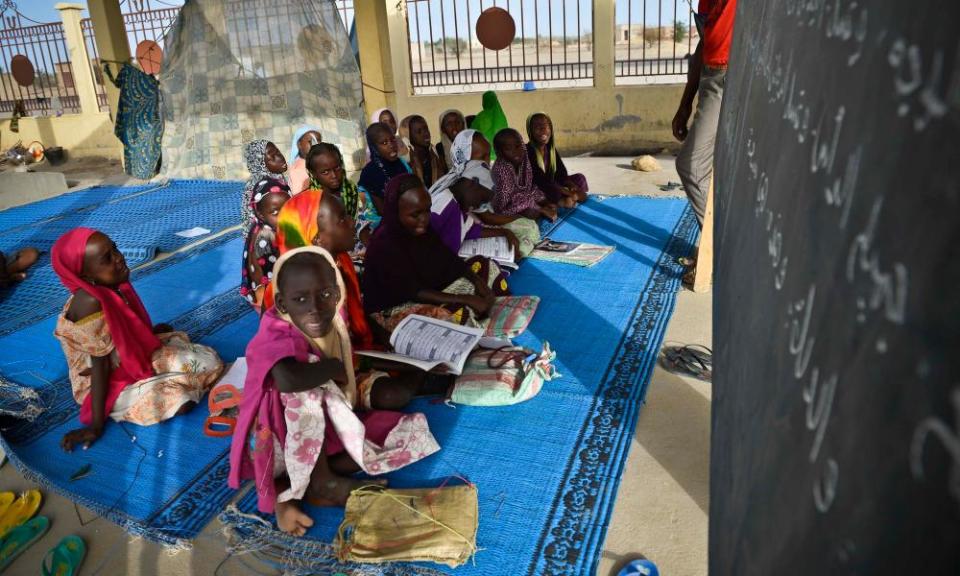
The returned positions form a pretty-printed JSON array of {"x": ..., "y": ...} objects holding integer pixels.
[
  {"x": 141, "y": 220},
  {"x": 547, "y": 470},
  {"x": 170, "y": 481},
  {"x": 68, "y": 203}
]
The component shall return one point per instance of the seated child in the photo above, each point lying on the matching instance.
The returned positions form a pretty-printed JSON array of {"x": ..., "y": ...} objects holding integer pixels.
[
  {"x": 454, "y": 198},
  {"x": 297, "y": 435},
  {"x": 15, "y": 269},
  {"x": 384, "y": 164},
  {"x": 471, "y": 153},
  {"x": 263, "y": 159},
  {"x": 514, "y": 191},
  {"x": 303, "y": 139},
  {"x": 299, "y": 227},
  {"x": 260, "y": 250},
  {"x": 452, "y": 123},
  {"x": 409, "y": 270},
  {"x": 549, "y": 173},
  {"x": 423, "y": 158},
  {"x": 328, "y": 174},
  {"x": 387, "y": 117},
  {"x": 120, "y": 364}
]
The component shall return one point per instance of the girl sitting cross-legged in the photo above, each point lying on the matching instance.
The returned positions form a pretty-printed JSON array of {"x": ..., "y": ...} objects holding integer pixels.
[
  {"x": 515, "y": 192},
  {"x": 549, "y": 172},
  {"x": 298, "y": 436},
  {"x": 409, "y": 270}
]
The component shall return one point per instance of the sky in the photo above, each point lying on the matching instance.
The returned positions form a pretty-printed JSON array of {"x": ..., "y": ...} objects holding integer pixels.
[{"x": 44, "y": 11}]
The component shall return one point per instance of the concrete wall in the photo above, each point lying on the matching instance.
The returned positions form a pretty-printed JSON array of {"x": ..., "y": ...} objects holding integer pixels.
[
  {"x": 614, "y": 120},
  {"x": 604, "y": 118},
  {"x": 87, "y": 134}
]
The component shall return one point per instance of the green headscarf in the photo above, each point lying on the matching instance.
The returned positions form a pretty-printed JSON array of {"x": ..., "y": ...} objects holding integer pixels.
[{"x": 491, "y": 119}]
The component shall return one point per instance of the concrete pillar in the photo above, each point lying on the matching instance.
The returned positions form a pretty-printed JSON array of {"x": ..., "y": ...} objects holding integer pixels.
[
  {"x": 603, "y": 47},
  {"x": 83, "y": 79},
  {"x": 111, "y": 37},
  {"x": 376, "y": 63}
]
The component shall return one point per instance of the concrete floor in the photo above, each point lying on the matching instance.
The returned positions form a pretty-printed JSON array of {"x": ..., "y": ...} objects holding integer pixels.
[{"x": 663, "y": 501}]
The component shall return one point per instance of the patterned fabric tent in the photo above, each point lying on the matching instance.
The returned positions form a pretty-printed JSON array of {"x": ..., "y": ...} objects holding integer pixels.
[{"x": 236, "y": 70}]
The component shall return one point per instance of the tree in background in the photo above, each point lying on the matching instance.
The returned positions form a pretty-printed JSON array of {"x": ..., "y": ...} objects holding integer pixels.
[{"x": 680, "y": 30}]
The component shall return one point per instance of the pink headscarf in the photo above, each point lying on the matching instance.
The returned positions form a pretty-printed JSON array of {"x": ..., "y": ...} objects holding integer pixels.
[{"x": 128, "y": 322}]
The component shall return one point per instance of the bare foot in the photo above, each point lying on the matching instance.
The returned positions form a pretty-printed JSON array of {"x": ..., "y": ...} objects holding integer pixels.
[
  {"x": 334, "y": 490},
  {"x": 291, "y": 519},
  {"x": 187, "y": 406}
]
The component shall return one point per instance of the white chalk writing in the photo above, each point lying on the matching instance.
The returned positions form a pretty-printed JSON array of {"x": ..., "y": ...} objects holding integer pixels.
[{"x": 949, "y": 438}]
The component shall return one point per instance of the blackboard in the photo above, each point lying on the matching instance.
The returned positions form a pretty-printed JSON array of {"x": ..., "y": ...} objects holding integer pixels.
[{"x": 836, "y": 401}]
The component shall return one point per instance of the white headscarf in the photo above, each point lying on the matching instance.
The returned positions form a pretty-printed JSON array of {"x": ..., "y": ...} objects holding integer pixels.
[{"x": 445, "y": 141}]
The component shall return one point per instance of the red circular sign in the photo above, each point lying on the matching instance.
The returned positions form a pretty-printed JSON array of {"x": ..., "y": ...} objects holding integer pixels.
[
  {"x": 496, "y": 28},
  {"x": 22, "y": 70},
  {"x": 150, "y": 56}
]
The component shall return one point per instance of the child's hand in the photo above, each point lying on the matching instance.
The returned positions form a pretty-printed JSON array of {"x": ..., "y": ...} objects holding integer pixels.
[
  {"x": 549, "y": 211},
  {"x": 86, "y": 436},
  {"x": 338, "y": 372},
  {"x": 513, "y": 242},
  {"x": 480, "y": 304}
]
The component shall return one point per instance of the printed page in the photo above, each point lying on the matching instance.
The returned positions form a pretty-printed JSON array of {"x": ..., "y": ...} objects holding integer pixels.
[
  {"x": 496, "y": 248},
  {"x": 432, "y": 340}
]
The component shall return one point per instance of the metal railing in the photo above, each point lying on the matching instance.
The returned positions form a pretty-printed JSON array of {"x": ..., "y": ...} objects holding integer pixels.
[
  {"x": 345, "y": 9},
  {"x": 46, "y": 47},
  {"x": 553, "y": 44},
  {"x": 143, "y": 22},
  {"x": 653, "y": 38}
]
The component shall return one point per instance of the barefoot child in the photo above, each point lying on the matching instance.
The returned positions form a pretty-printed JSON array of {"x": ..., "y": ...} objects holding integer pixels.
[
  {"x": 303, "y": 139},
  {"x": 410, "y": 271},
  {"x": 15, "y": 269},
  {"x": 260, "y": 251},
  {"x": 298, "y": 436},
  {"x": 452, "y": 123},
  {"x": 515, "y": 192},
  {"x": 121, "y": 365},
  {"x": 423, "y": 158},
  {"x": 549, "y": 173},
  {"x": 384, "y": 164},
  {"x": 263, "y": 158}
]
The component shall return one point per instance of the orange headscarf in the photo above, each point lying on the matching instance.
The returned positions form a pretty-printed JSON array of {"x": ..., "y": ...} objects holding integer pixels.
[{"x": 297, "y": 227}]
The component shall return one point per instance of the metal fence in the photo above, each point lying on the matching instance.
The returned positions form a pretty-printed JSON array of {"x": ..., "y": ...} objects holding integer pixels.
[
  {"x": 53, "y": 87},
  {"x": 553, "y": 44},
  {"x": 657, "y": 38}
]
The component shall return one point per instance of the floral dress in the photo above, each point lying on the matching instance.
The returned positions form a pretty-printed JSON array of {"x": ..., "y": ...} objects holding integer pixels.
[{"x": 184, "y": 371}]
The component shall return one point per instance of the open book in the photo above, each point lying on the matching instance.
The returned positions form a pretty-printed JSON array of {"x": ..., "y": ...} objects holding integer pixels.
[
  {"x": 427, "y": 343},
  {"x": 496, "y": 248},
  {"x": 579, "y": 253}
]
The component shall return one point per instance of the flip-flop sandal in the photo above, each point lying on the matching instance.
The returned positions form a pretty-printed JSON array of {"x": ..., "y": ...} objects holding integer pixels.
[
  {"x": 690, "y": 276},
  {"x": 65, "y": 558},
  {"x": 693, "y": 359},
  {"x": 687, "y": 261},
  {"x": 21, "y": 538},
  {"x": 22, "y": 509},
  {"x": 6, "y": 499}
]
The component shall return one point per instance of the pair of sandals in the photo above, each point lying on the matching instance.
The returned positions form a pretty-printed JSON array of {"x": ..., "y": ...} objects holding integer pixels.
[
  {"x": 223, "y": 401},
  {"x": 693, "y": 359},
  {"x": 19, "y": 530}
]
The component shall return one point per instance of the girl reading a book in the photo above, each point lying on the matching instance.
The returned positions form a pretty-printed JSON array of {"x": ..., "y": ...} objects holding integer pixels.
[
  {"x": 297, "y": 435},
  {"x": 409, "y": 270}
]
